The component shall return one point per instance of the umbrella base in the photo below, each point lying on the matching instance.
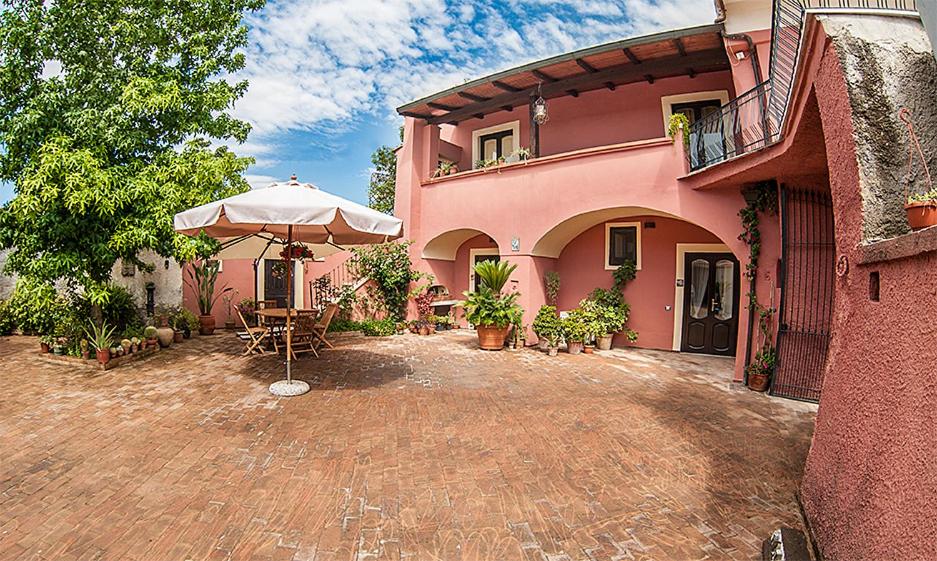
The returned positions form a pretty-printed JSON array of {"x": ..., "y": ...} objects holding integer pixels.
[{"x": 289, "y": 389}]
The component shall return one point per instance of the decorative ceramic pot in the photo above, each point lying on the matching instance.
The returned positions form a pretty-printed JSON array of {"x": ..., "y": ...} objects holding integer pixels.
[
  {"x": 206, "y": 324},
  {"x": 153, "y": 342},
  {"x": 603, "y": 343},
  {"x": 165, "y": 336},
  {"x": 921, "y": 215},
  {"x": 757, "y": 382},
  {"x": 491, "y": 338},
  {"x": 103, "y": 355},
  {"x": 574, "y": 347},
  {"x": 176, "y": 336},
  {"x": 134, "y": 347},
  {"x": 58, "y": 350},
  {"x": 229, "y": 324}
]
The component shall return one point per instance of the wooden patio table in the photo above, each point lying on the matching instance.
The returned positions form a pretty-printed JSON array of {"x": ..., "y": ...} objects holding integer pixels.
[{"x": 275, "y": 320}]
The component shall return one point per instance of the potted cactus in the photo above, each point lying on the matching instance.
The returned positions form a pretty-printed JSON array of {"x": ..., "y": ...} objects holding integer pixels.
[
  {"x": 149, "y": 334},
  {"x": 125, "y": 346},
  {"x": 85, "y": 349}
]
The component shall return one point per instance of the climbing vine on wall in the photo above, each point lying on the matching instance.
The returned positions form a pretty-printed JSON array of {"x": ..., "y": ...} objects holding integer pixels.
[{"x": 761, "y": 199}]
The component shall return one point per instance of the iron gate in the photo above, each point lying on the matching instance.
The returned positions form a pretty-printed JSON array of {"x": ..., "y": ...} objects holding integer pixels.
[{"x": 806, "y": 310}]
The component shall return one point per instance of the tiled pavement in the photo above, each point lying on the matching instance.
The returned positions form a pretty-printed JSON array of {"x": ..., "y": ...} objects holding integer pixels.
[{"x": 407, "y": 448}]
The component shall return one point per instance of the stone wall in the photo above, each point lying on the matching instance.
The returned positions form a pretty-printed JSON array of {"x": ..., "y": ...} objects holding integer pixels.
[
  {"x": 7, "y": 281},
  {"x": 167, "y": 281},
  {"x": 870, "y": 478}
]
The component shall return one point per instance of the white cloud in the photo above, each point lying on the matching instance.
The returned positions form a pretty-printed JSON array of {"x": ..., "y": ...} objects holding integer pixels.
[{"x": 318, "y": 65}]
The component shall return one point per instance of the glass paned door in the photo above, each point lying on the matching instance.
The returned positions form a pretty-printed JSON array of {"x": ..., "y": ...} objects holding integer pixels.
[{"x": 711, "y": 295}]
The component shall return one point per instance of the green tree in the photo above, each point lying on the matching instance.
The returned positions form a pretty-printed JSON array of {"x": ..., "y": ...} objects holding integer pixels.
[
  {"x": 383, "y": 180},
  {"x": 107, "y": 109}
]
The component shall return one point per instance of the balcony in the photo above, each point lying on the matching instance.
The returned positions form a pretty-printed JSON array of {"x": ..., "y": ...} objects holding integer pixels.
[{"x": 756, "y": 119}]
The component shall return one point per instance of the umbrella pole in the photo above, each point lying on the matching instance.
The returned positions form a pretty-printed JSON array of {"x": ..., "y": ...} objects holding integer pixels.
[{"x": 289, "y": 293}]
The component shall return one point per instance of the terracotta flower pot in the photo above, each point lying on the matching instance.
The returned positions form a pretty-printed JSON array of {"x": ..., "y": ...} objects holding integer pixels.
[
  {"x": 921, "y": 215},
  {"x": 551, "y": 351},
  {"x": 103, "y": 355},
  {"x": 588, "y": 349},
  {"x": 152, "y": 342},
  {"x": 86, "y": 354},
  {"x": 206, "y": 324},
  {"x": 574, "y": 347},
  {"x": 424, "y": 330},
  {"x": 758, "y": 382},
  {"x": 603, "y": 343},
  {"x": 44, "y": 347},
  {"x": 491, "y": 338},
  {"x": 176, "y": 336},
  {"x": 134, "y": 347}
]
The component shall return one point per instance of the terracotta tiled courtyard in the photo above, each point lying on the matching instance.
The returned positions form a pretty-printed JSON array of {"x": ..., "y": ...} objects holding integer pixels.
[{"x": 406, "y": 448}]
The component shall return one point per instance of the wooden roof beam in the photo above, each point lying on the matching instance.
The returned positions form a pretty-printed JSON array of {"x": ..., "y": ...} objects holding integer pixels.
[
  {"x": 631, "y": 56},
  {"x": 680, "y": 48},
  {"x": 415, "y": 115},
  {"x": 473, "y": 97},
  {"x": 586, "y": 66},
  {"x": 691, "y": 73},
  {"x": 621, "y": 74},
  {"x": 573, "y": 93},
  {"x": 506, "y": 87},
  {"x": 540, "y": 75},
  {"x": 436, "y": 105},
  {"x": 610, "y": 86}
]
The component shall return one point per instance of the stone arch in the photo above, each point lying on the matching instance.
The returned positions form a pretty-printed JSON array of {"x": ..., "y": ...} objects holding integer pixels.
[{"x": 445, "y": 245}]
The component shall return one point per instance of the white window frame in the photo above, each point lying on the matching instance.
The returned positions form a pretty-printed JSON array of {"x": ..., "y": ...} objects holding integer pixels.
[
  {"x": 513, "y": 126},
  {"x": 608, "y": 239},
  {"x": 471, "y": 264},
  {"x": 668, "y": 101},
  {"x": 220, "y": 264}
]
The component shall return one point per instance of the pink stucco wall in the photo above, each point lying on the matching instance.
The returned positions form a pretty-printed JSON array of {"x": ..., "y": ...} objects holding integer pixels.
[
  {"x": 871, "y": 479},
  {"x": 582, "y": 268},
  {"x": 596, "y": 118}
]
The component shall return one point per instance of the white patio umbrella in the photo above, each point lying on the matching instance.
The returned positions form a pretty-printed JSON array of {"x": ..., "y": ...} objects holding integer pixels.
[{"x": 290, "y": 212}]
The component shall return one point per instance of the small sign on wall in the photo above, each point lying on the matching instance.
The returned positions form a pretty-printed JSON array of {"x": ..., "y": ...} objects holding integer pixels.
[{"x": 515, "y": 244}]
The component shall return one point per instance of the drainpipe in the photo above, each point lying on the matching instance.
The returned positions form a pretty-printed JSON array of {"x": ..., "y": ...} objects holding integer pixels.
[
  {"x": 720, "y": 11},
  {"x": 753, "y": 52}
]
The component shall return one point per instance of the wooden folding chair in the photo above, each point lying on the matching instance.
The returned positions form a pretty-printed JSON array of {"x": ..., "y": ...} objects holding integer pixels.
[
  {"x": 253, "y": 336},
  {"x": 303, "y": 338},
  {"x": 322, "y": 326}
]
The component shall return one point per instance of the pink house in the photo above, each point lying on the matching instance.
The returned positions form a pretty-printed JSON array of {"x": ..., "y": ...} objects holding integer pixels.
[{"x": 796, "y": 101}]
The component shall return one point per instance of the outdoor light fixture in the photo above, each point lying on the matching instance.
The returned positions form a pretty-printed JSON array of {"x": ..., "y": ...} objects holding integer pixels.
[{"x": 540, "y": 109}]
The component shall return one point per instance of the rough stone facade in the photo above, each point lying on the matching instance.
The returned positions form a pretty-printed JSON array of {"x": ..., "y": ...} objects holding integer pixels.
[
  {"x": 166, "y": 280},
  {"x": 7, "y": 281},
  {"x": 888, "y": 65}
]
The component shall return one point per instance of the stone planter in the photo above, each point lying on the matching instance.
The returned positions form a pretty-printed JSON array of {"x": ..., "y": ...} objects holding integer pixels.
[
  {"x": 574, "y": 347},
  {"x": 603, "y": 343}
]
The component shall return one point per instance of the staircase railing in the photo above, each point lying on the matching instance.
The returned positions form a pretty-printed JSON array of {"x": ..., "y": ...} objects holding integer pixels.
[
  {"x": 755, "y": 119},
  {"x": 328, "y": 288}
]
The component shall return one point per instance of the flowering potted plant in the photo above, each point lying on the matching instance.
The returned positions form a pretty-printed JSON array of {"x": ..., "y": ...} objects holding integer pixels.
[
  {"x": 762, "y": 367},
  {"x": 922, "y": 210}
]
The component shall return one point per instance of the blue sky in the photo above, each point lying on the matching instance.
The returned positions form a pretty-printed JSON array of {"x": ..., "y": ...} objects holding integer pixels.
[{"x": 325, "y": 76}]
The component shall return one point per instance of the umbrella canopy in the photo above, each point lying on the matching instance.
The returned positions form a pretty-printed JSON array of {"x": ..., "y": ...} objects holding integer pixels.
[
  {"x": 289, "y": 212},
  {"x": 315, "y": 216}
]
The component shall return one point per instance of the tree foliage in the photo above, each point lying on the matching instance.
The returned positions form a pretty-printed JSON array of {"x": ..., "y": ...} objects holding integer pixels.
[
  {"x": 383, "y": 180},
  {"x": 388, "y": 266},
  {"x": 107, "y": 109}
]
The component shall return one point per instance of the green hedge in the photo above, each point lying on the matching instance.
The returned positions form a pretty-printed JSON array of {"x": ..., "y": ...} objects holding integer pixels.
[{"x": 370, "y": 327}]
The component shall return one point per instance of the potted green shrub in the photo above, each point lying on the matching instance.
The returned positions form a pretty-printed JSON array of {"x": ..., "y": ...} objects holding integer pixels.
[
  {"x": 546, "y": 326},
  {"x": 46, "y": 342},
  {"x": 762, "y": 368},
  {"x": 574, "y": 331},
  {"x": 101, "y": 339},
  {"x": 202, "y": 279},
  {"x": 488, "y": 309}
]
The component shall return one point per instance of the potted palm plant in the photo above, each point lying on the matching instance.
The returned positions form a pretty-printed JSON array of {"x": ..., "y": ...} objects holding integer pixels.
[
  {"x": 202, "y": 279},
  {"x": 488, "y": 309},
  {"x": 101, "y": 338}
]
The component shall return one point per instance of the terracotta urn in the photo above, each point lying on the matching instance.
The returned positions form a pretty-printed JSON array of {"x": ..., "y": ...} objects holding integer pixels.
[
  {"x": 176, "y": 336},
  {"x": 206, "y": 324},
  {"x": 165, "y": 336},
  {"x": 921, "y": 214},
  {"x": 491, "y": 338},
  {"x": 757, "y": 381},
  {"x": 574, "y": 347}
]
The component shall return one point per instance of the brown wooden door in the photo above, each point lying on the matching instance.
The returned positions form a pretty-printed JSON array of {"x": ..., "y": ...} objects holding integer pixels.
[
  {"x": 275, "y": 284},
  {"x": 710, "y": 303}
]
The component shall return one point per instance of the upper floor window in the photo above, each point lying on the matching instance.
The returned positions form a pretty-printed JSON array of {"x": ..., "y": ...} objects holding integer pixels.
[
  {"x": 622, "y": 243},
  {"x": 491, "y": 143}
]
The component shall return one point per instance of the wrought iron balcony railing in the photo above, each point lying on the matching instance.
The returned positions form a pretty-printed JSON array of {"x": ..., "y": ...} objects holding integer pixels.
[{"x": 755, "y": 119}]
